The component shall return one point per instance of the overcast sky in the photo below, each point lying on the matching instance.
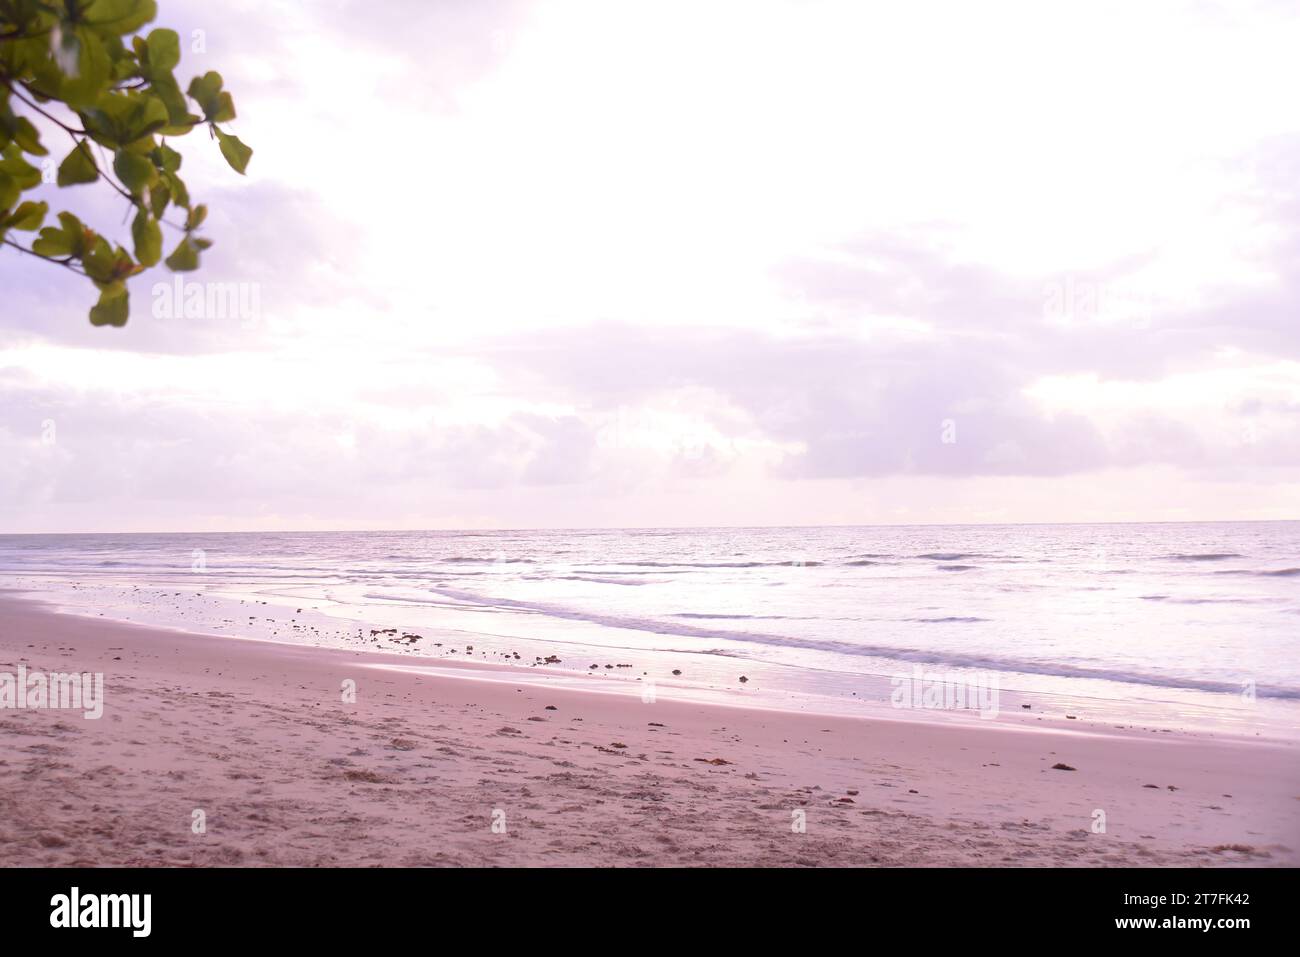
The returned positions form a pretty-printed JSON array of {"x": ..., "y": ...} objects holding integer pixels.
[{"x": 658, "y": 263}]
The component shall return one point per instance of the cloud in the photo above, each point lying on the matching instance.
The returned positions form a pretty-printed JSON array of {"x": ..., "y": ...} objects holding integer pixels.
[{"x": 523, "y": 262}]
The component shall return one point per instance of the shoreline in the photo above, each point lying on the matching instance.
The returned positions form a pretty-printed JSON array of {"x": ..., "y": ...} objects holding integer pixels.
[
  {"x": 256, "y": 736},
  {"x": 222, "y": 610}
]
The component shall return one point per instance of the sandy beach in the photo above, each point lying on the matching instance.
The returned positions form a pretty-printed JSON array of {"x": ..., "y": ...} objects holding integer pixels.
[{"x": 488, "y": 770}]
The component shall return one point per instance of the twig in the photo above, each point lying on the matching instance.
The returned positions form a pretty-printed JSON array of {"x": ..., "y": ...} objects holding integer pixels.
[
  {"x": 49, "y": 116},
  {"x": 66, "y": 263}
]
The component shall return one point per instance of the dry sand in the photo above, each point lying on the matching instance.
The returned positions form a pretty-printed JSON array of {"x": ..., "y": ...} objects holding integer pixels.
[{"x": 256, "y": 735}]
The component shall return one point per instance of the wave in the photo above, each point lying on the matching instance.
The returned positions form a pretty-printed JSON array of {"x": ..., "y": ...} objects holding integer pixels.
[
  {"x": 950, "y": 618},
  {"x": 1203, "y": 601},
  {"x": 951, "y": 659},
  {"x": 1204, "y": 557},
  {"x": 955, "y": 568},
  {"x": 700, "y": 616},
  {"x": 575, "y": 569},
  {"x": 1274, "y": 573},
  {"x": 479, "y": 560},
  {"x": 794, "y": 563},
  {"x": 594, "y": 579}
]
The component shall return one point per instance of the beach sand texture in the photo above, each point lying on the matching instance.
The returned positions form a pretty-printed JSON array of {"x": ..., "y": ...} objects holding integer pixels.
[{"x": 435, "y": 770}]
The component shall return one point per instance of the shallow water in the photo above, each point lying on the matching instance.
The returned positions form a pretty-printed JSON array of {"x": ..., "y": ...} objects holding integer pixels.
[{"x": 1166, "y": 623}]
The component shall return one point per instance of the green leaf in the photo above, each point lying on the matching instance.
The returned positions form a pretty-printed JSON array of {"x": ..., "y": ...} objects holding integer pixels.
[
  {"x": 147, "y": 236},
  {"x": 113, "y": 308},
  {"x": 135, "y": 171},
  {"x": 235, "y": 152},
  {"x": 28, "y": 216},
  {"x": 122, "y": 119},
  {"x": 66, "y": 239},
  {"x": 149, "y": 114},
  {"x": 158, "y": 199},
  {"x": 178, "y": 115},
  {"x": 121, "y": 17},
  {"x": 80, "y": 237},
  {"x": 164, "y": 50},
  {"x": 52, "y": 242},
  {"x": 25, "y": 135},
  {"x": 92, "y": 72},
  {"x": 184, "y": 258},
  {"x": 204, "y": 89},
  {"x": 78, "y": 166},
  {"x": 176, "y": 186},
  {"x": 17, "y": 169},
  {"x": 225, "y": 111},
  {"x": 167, "y": 158},
  {"x": 100, "y": 261},
  {"x": 217, "y": 106}
]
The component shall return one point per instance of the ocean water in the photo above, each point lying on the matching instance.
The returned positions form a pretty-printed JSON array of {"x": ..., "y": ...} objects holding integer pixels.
[{"x": 1193, "y": 625}]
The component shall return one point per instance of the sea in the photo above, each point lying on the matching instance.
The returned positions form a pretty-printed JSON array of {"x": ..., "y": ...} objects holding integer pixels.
[{"x": 1192, "y": 626}]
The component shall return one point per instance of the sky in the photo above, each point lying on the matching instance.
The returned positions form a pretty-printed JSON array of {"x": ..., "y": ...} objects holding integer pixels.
[{"x": 634, "y": 264}]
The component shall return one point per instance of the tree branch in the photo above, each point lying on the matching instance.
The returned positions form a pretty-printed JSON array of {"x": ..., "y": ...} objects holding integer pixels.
[
  {"x": 66, "y": 263},
  {"x": 49, "y": 116},
  {"x": 73, "y": 132}
]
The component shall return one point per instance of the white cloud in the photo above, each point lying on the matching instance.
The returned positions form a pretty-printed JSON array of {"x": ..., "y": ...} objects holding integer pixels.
[{"x": 768, "y": 244}]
